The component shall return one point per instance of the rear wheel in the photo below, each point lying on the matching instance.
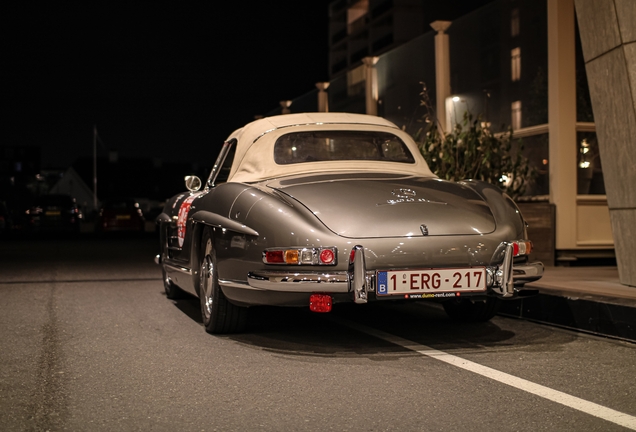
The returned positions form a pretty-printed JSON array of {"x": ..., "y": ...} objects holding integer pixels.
[
  {"x": 465, "y": 309},
  {"x": 219, "y": 315}
]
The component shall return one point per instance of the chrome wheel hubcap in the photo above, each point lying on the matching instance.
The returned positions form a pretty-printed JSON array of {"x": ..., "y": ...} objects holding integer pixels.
[{"x": 207, "y": 284}]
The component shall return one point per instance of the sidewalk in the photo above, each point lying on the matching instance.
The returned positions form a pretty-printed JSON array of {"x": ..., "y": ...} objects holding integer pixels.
[{"x": 589, "y": 299}]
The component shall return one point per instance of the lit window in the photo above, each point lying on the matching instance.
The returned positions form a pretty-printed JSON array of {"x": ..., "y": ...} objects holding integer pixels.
[
  {"x": 515, "y": 64},
  {"x": 516, "y": 115},
  {"x": 514, "y": 22}
]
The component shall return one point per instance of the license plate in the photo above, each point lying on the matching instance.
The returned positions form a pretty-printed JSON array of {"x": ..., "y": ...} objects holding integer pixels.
[
  {"x": 430, "y": 282},
  {"x": 122, "y": 217},
  {"x": 52, "y": 212}
]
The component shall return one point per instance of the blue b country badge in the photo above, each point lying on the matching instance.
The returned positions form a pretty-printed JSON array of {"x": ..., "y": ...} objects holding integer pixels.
[{"x": 382, "y": 283}]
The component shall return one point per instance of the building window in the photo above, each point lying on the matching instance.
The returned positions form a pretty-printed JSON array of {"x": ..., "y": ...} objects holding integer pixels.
[
  {"x": 357, "y": 16},
  {"x": 515, "y": 64},
  {"x": 514, "y": 22},
  {"x": 356, "y": 81},
  {"x": 516, "y": 115}
]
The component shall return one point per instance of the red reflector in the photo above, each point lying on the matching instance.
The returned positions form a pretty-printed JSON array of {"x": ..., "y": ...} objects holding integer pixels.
[
  {"x": 274, "y": 256},
  {"x": 320, "y": 303},
  {"x": 352, "y": 255},
  {"x": 326, "y": 256}
]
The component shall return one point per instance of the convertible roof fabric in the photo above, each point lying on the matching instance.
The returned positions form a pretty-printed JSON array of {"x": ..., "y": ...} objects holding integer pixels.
[{"x": 254, "y": 157}]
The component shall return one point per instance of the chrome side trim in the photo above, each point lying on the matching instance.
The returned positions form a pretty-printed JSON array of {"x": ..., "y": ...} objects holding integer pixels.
[
  {"x": 287, "y": 281},
  {"x": 178, "y": 268},
  {"x": 218, "y": 221},
  {"x": 236, "y": 284},
  {"x": 357, "y": 272}
]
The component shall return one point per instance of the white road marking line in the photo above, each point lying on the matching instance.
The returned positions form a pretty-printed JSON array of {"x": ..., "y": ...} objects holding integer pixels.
[{"x": 576, "y": 403}]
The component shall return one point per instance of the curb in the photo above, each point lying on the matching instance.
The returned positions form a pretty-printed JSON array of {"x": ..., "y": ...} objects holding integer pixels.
[{"x": 591, "y": 316}]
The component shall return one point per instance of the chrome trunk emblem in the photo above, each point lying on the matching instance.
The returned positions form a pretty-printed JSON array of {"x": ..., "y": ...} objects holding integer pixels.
[
  {"x": 404, "y": 193},
  {"x": 424, "y": 229}
]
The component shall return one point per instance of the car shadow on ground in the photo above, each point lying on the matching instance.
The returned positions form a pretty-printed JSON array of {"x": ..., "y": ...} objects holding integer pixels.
[{"x": 297, "y": 331}]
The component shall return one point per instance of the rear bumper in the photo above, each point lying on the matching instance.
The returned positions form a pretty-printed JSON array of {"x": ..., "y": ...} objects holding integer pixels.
[
  {"x": 528, "y": 272},
  {"x": 285, "y": 281},
  {"x": 504, "y": 280}
]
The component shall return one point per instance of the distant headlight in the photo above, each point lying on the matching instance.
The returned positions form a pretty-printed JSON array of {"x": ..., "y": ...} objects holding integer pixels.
[{"x": 301, "y": 256}]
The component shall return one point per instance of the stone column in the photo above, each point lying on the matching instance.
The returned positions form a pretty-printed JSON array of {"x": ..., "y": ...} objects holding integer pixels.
[
  {"x": 323, "y": 97},
  {"x": 562, "y": 119},
  {"x": 285, "y": 106},
  {"x": 442, "y": 71},
  {"x": 371, "y": 85},
  {"x": 608, "y": 37}
]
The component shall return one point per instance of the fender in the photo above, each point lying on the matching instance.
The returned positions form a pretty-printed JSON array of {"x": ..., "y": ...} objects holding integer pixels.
[{"x": 217, "y": 221}]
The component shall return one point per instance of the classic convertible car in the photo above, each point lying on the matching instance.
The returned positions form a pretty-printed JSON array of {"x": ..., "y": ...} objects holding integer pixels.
[{"x": 319, "y": 208}]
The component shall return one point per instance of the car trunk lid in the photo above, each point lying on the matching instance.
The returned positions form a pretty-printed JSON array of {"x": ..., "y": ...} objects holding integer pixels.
[{"x": 389, "y": 206}]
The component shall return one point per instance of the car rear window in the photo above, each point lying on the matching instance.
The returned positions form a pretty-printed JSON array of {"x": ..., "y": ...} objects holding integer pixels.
[{"x": 315, "y": 146}]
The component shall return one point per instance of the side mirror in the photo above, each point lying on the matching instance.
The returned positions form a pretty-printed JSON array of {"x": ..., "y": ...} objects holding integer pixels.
[{"x": 193, "y": 183}]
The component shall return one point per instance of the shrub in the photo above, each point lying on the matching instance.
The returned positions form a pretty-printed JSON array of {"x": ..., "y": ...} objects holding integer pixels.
[{"x": 471, "y": 151}]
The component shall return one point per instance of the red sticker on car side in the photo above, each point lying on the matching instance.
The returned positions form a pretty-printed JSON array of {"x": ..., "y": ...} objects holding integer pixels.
[{"x": 183, "y": 218}]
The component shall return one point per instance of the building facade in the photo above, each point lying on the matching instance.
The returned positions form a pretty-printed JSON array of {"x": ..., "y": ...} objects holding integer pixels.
[{"x": 511, "y": 63}]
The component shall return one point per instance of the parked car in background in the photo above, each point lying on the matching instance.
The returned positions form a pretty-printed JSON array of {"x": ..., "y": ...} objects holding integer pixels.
[
  {"x": 314, "y": 209},
  {"x": 120, "y": 215},
  {"x": 6, "y": 220},
  {"x": 54, "y": 212}
]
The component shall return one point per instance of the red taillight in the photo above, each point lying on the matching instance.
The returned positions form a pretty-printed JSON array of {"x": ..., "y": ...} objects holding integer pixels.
[
  {"x": 327, "y": 256},
  {"x": 274, "y": 256},
  {"x": 320, "y": 303},
  {"x": 352, "y": 255},
  {"x": 521, "y": 247},
  {"x": 301, "y": 256}
]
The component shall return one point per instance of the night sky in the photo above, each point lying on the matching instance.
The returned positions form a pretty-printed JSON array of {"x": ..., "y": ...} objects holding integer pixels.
[
  {"x": 164, "y": 79},
  {"x": 170, "y": 79}
]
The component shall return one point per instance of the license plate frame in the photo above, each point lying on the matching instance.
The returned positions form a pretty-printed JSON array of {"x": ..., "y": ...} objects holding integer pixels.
[{"x": 430, "y": 282}]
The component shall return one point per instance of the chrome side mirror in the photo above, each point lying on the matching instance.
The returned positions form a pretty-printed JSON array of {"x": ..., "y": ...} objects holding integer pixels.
[{"x": 193, "y": 183}]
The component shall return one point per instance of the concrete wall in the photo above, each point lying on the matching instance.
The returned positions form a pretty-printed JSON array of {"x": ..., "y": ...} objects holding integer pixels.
[{"x": 608, "y": 37}]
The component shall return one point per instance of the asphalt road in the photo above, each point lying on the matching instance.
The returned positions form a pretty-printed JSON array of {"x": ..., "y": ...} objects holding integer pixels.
[{"x": 89, "y": 342}]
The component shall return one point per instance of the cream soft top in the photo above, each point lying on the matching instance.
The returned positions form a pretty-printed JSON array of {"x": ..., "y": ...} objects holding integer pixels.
[{"x": 254, "y": 157}]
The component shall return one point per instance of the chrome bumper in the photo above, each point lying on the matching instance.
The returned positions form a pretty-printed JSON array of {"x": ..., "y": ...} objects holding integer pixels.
[
  {"x": 504, "y": 280},
  {"x": 287, "y": 281}
]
